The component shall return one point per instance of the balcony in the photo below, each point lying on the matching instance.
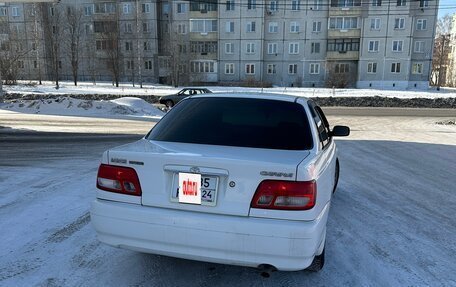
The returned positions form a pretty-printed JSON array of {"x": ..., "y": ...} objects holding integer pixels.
[
  {"x": 342, "y": 55},
  {"x": 344, "y": 33},
  {"x": 345, "y": 11}
]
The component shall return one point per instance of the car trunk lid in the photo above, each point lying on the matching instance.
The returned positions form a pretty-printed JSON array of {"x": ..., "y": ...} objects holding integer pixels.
[{"x": 234, "y": 171}]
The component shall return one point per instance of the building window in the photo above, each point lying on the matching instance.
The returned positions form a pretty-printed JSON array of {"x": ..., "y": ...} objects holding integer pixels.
[
  {"x": 182, "y": 29},
  {"x": 203, "y": 25},
  {"x": 342, "y": 68},
  {"x": 230, "y": 5},
  {"x": 163, "y": 62},
  {"x": 251, "y": 26},
  {"x": 343, "y": 45},
  {"x": 34, "y": 46},
  {"x": 316, "y": 26},
  {"x": 203, "y": 6},
  {"x": 182, "y": 49},
  {"x": 343, "y": 23},
  {"x": 373, "y": 46},
  {"x": 126, "y": 8},
  {"x": 250, "y": 69},
  {"x": 203, "y": 47},
  {"x": 3, "y": 11},
  {"x": 128, "y": 46},
  {"x": 419, "y": 47},
  {"x": 317, "y": 4},
  {"x": 375, "y": 24},
  {"x": 251, "y": 4},
  {"x": 273, "y": 6},
  {"x": 396, "y": 68},
  {"x": 128, "y": 28},
  {"x": 293, "y": 48},
  {"x": 314, "y": 69},
  {"x": 148, "y": 65},
  {"x": 250, "y": 48},
  {"x": 272, "y": 69},
  {"x": 88, "y": 10},
  {"x": 145, "y": 8},
  {"x": 294, "y": 27},
  {"x": 105, "y": 8},
  {"x": 59, "y": 63},
  {"x": 417, "y": 68},
  {"x": 315, "y": 48},
  {"x": 181, "y": 8},
  {"x": 399, "y": 23},
  {"x": 397, "y": 45},
  {"x": 104, "y": 45},
  {"x": 345, "y": 3},
  {"x": 401, "y": 2},
  {"x": 229, "y": 48},
  {"x": 424, "y": 3},
  {"x": 372, "y": 68},
  {"x": 146, "y": 27},
  {"x": 293, "y": 69},
  {"x": 147, "y": 47},
  {"x": 421, "y": 24},
  {"x": 35, "y": 64},
  {"x": 129, "y": 64},
  {"x": 15, "y": 11},
  {"x": 376, "y": 3},
  {"x": 295, "y": 5},
  {"x": 202, "y": 67},
  {"x": 272, "y": 48},
  {"x": 229, "y": 68},
  {"x": 20, "y": 64},
  {"x": 273, "y": 27},
  {"x": 229, "y": 27}
]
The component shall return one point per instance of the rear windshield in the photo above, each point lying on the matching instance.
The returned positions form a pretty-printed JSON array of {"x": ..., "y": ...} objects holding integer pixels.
[{"x": 256, "y": 123}]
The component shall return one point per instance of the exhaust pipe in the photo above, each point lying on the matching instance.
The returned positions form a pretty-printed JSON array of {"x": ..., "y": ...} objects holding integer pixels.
[{"x": 266, "y": 270}]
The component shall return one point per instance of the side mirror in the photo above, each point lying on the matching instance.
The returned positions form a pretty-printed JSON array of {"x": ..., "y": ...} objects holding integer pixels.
[{"x": 340, "y": 131}]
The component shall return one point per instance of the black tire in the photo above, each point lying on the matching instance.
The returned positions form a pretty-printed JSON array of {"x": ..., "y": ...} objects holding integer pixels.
[
  {"x": 317, "y": 263},
  {"x": 336, "y": 176},
  {"x": 169, "y": 103}
]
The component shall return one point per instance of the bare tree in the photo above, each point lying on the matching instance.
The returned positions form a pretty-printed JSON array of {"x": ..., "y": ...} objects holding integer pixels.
[
  {"x": 54, "y": 33},
  {"x": 338, "y": 77},
  {"x": 73, "y": 39},
  {"x": 12, "y": 54},
  {"x": 111, "y": 45},
  {"x": 442, "y": 50}
]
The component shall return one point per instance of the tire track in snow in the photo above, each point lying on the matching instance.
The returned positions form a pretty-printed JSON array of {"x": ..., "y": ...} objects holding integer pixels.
[{"x": 68, "y": 230}]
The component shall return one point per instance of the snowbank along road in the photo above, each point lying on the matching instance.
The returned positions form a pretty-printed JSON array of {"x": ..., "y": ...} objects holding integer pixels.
[{"x": 392, "y": 221}]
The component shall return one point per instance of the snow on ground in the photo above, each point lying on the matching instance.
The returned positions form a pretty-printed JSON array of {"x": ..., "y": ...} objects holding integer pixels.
[
  {"x": 391, "y": 222},
  {"x": 160, "y": 90},
  {"x": 122, "y": 107}
]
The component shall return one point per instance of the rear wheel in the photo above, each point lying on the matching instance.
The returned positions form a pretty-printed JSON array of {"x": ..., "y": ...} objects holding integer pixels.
[
  {"x": 169, "y": 103},
  {"x": 317, "y": 263},
  {"x": 336, "y": 176}
]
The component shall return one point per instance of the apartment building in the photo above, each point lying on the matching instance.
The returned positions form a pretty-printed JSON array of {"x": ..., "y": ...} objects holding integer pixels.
[{"x": 313, "y": 43}]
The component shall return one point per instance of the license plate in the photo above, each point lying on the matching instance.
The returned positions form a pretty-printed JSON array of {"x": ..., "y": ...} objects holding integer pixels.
[{"x": 207, "y": 192}]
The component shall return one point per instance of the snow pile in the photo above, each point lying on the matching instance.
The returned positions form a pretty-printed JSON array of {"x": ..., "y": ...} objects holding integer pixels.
[
  {"x": 67, "y": 106},
  {"x": 104, "y": 88}
]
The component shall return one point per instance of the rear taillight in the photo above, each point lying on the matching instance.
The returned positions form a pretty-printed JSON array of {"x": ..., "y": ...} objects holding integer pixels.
[
  {"x": 118, "y": 179},
  {"x": 285, "y": 195}
]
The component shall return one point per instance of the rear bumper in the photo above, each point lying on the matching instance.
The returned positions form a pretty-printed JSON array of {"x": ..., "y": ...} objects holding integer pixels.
[{"x": 246, "y": 241}]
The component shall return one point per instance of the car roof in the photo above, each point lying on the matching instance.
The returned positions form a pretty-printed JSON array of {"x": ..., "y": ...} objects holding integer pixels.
[
  {"x": 250, "y": 95},
  {"x": 192, "y": 88}
]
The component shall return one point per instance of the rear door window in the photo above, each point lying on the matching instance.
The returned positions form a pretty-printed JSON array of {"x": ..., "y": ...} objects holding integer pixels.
[
  {"x": 322, "y": 124},
  {"x": 257, "y": 123}
]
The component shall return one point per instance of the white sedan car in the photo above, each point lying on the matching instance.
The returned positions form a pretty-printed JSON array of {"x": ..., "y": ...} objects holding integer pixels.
[{"x": 242, "y": 179}]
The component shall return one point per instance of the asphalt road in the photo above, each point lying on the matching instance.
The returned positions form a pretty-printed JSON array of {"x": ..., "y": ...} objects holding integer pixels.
[{"x": 391, "y": 223}]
